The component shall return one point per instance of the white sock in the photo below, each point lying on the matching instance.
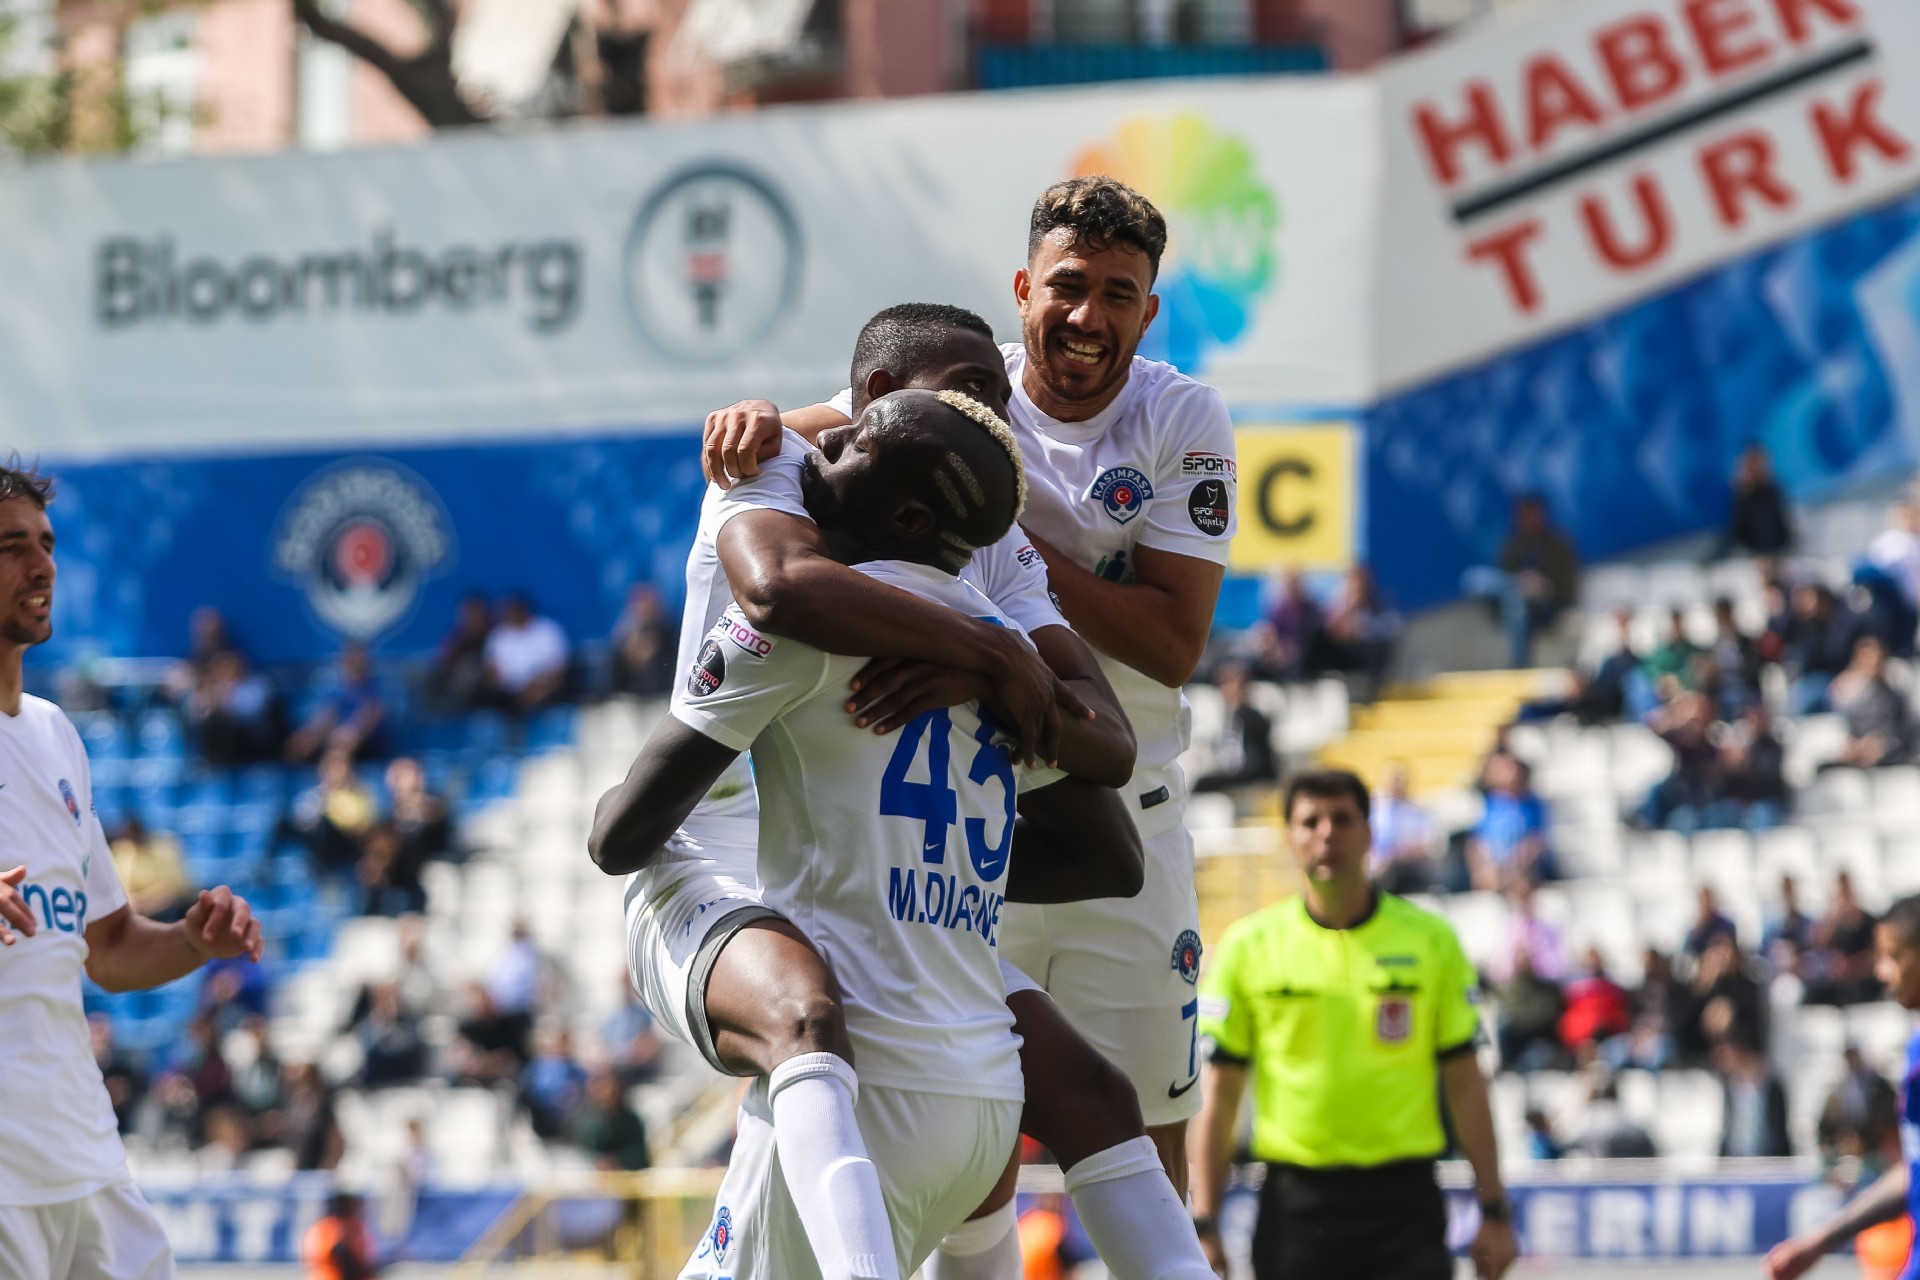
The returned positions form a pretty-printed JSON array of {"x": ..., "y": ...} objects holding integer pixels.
[
  {"x": 1130, "y": 1212},
  {"x": 981, "y": 1249},
  {"x": 834, "y": 1185}
]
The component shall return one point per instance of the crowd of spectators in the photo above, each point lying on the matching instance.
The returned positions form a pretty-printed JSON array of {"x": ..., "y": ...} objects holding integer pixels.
[{"x": 1350, "y": 630}]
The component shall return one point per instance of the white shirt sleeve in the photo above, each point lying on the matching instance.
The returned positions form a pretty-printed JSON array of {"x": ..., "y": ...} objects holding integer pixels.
[
  {"x": 1194, "y": 509},
  {"x": 842, "y": 403},
  {"x": 1032, "y": 777},
  {"x": 776, "y": 488},
  {"x": 742, "y": 681},
  {"x": 1012, "y": 575},
  {"x": 105, "y": 894}
]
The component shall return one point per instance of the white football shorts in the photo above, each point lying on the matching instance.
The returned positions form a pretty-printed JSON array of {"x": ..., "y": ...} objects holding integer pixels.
[{"x": 109, "y": 1235}]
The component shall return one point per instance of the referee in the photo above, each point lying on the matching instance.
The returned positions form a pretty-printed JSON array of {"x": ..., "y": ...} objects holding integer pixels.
[{"x": 1350, "y": 1009}]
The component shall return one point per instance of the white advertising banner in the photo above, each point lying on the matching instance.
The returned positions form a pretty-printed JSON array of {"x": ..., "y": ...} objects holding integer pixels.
[
  {"x": 1571, "y": 158},
  {"x": 636, "y": 276}
]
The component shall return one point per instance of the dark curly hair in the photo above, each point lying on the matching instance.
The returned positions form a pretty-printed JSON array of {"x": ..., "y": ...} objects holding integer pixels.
[
  {"x": 19, "y": 479},
  {"x": 1101, "y": 213}
]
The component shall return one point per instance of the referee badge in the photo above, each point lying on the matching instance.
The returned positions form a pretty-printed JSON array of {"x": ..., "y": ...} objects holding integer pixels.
[{"x": 1394, "y": 1022}]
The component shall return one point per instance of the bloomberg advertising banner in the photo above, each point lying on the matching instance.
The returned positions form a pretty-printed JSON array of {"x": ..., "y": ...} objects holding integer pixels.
[
  {"x": 1576, "y": 157},
  {"x": 639, "y": 275}
]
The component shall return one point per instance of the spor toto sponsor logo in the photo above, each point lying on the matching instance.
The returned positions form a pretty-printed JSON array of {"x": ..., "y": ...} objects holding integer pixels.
[
  {"x": 1221, "y": 221},
  {"x": 713, "y": 262},
  {"x": 361, "y": 539}
]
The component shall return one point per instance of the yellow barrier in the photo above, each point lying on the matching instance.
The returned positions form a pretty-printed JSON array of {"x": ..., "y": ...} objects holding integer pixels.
[{"x": 616, "y": 1226}]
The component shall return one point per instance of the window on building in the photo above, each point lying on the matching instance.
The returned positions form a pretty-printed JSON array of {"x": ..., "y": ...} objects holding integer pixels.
[{"x": 162, "y": 74}]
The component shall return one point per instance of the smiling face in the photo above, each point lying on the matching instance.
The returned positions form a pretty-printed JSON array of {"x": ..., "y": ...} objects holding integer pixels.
[
  {"x": 1083, "y": 312},
  {"x": 26, "y": 573}
]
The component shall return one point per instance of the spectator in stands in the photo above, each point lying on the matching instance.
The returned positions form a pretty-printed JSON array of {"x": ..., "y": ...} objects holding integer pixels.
[
  {"x": 1880, "y": 728},
  {"x": 152, "y": 870},
  {"x": 389, "y": 878},
  {"x": 552, "y": 1083},
  {"x": 1615, "y": 686},
  {"x": 1528, "y": 1025},
  {"x": 608, "y": 1129},
  {"x": 1816, "y": 644},
  {"x": 1509, "y": 844},
  {"x": 1526, "y": 931},
  {"x": 351, "y": 718},
  {"x": 1754, "y": 1123},
  {"x": 1360, "y": 632},
  {"x": 645, "y": 643},
  {"x": 1723, "y": 999},
  {"x": 1243, "y": 753},
  {"x": 258, "y": 1075},
  {"x": 207, "y": 638},
  {"x": 1893, "y": 562},
  {"x": 1290, "y": 635},
  {"x": 1538, "y": 577},
  {"x": 458, "y": 679},
  {"x": 490, "y": 1047},
  {"x": 307, "y": 1125},
  {"x": 1672, "y": 657},
  {"x": 1786, "y": 922},
  {"x": 234, "y": 715},
  {"x": 333, "y": 817},
  {"x": 392, "y": 1046},
  {"x": 126, "y": 1082},
  {"x": 227, "y": 1141},
  {"x": 1403, "y": 836},
  {"x": 1595, "y": 1009},
  {"x": 339, "y": 1245},
  {"x": 1649, "y": 1045},
  {"x": 633, "y": 1046},
  {"x": 1861, "y": 1118},
  {"x": 1758, "y": 522},
  {"x": 234, "y": 989},
  {"x": 1737, "y": 656},
  {"x": 1682, "y": 800},
  {"x": 513, "y": 979},
  {"x": 1709, "y": 923},
  {"x": 1541, "y": 1144},
  {"x": 526, "y": 658},
  {"x": 1752, "y": 792},
  {"x": 418, "y": 815},
  {"x": 1838, "y": 964}
]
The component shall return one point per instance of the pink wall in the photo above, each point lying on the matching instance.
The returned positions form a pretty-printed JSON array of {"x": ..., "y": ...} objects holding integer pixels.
[
  {"x": 245, "y": 83},
  {"x": 380, "y": 114},
  {"x": 1357, "y": 33},
  {"x": 896, "y": 47}
]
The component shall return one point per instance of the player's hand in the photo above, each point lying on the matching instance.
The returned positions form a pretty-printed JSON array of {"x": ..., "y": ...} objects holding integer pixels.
[
  {"x": 220, "y": 926},
  {"x": 14, "y": 909},
  {"x": 1493, "y": 1250},
  {"x": 1031, "y": 702},
  {"x": 1216, "y": 1253},
  {"x": 738, "y": 439},
  {"x": 1791, "y": 1258},
  {"x": 889, "y": 693}
]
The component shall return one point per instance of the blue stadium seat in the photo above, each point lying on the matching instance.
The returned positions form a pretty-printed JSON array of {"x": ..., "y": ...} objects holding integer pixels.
[
  {"x": 262, "y": 784},
  {"x": 210, "y": 789},
  {"x": 101, "y": 732},
  {"x": 160, "y": 735},
  {"x": 493, "y": 780},
  {"x": 551, "y": 729}
]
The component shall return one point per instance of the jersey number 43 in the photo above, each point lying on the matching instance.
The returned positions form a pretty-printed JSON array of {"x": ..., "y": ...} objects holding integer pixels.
[{"x": 935, "y": 803}]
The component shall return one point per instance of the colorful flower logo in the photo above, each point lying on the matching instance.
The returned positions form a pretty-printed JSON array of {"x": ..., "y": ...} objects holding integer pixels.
[{"x": 1221, "y": 220}]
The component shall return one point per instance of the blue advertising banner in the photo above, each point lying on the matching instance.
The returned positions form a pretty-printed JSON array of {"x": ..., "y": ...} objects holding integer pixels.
[
  {"x": 1630, "y": 426},
  {"x": 233, "y": 1219},
  {"x": 302, "y": 550}
]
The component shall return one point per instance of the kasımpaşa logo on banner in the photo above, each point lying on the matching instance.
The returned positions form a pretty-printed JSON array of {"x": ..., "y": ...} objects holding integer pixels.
[{"x": 361, "y": 538}]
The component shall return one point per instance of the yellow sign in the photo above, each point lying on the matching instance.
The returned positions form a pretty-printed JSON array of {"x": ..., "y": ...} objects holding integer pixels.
[{"x": 1296, "y": 497}]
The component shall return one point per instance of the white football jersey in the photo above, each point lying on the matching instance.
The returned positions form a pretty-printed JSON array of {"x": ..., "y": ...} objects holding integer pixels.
[
  {"x": 890, "y": 853},
  {"x": 58, "y": 1138},
  {"x": 1009, "y": 573},
  {"x": 1155, "y": 468}
]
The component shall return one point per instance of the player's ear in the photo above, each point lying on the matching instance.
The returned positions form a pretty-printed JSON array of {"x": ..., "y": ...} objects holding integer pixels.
[
  {"x": 1022, "y": 287},
  {"x": 879, "y": 383},
  {"x": 914, "y": 520},
  {"x": 1153, "y": 309}
]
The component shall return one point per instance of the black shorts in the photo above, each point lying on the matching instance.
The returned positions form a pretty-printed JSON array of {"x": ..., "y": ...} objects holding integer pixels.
[{"x": 1384, "y": 1223}]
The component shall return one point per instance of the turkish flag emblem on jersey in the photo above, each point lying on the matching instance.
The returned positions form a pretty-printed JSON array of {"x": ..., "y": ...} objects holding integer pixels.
[{"x": 1394, "y": 1023}]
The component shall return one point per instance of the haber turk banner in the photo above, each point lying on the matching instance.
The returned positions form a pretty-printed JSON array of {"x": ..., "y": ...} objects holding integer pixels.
[{"x": 1576, "y": 157}]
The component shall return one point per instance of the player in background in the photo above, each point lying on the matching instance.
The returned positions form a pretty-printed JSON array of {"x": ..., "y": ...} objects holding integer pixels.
[
  {"x": 750, "y": 992},
  {"x": 1133, "y": 477},
  {"x": 897, "y": 881},
  {"x": 68, "y": 1206},
  {"x": 1897, "y": 1191}
]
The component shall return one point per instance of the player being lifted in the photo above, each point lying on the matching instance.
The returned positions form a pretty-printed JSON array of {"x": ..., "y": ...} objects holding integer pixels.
[
  {"x": 68, "y": 1206},
  {"x": 898, "y": 882},
  {"x": 1132, "y": 474},
  {"x": 745, "y": 987}
]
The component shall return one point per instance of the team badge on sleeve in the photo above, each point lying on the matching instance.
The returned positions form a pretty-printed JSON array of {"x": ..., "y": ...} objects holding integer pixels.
[
  {"x": 719, "y": 1236},
  {"x": 73, "y": 802},
  {"x": 1207, "y": 505},
  {"x": 1393, "y": 1024},
  {"x": 1123, "y": 491},
  {"x": 709, "y": 670},
  {"x": 1186, "y": 955}
]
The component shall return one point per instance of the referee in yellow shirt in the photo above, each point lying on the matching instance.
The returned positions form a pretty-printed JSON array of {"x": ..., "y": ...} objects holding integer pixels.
[{"x": 1351, "y": 1011}]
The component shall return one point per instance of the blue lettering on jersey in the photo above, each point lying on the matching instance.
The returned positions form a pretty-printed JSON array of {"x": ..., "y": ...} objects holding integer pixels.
[
  {"x": 924, "y": 895},
  {"x": 61, "y": 910},
  {"x": 940, "y": 900},
  {"x": 1910, "y": 1138}
]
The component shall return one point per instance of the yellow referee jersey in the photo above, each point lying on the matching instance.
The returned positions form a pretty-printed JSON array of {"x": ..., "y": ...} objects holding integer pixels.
[{"x": 1344, "y": 1029}]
